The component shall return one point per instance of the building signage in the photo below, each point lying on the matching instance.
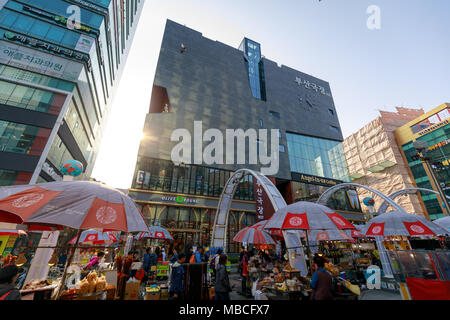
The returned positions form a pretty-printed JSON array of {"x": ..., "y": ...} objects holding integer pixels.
[
  {"x": 301, "y": 177},
  {"x": 11, "y": 36},
  {"x": 432, "y": 128},
  {"x": 59, "y": 19},
  {"x": 48, "y": 169},
  {"x": 439, "y": 144},
  {"x": 180, "y": 200},
  {"x": 264, "y": 208},
  {"x": 90, "y": 6},
  {"x": 140, "y": 177},
  {"x": 40, "y": 62},
  {"x": 312, "y": 86},
  {"x": 84, "y": 44}
]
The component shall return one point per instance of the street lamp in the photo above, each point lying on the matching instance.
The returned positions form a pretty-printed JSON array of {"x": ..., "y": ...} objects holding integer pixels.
[{"x": 422, "y": 148}]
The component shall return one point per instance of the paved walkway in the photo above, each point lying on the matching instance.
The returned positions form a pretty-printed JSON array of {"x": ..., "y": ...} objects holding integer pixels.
[{"x": 379, "y": 295}]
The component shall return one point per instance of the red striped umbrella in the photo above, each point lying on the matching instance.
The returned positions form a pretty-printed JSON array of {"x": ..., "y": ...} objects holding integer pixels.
[
  {"x": 396, "y": 223},
  {"x": 254, "y": 234},
  {"x": 155, "y": 232},
  {"x": 74, "y": 204},
  {"x": 307, "y": 216},
  {"x": 355, "y": 233},
  {"x": 95, "y": 237}
]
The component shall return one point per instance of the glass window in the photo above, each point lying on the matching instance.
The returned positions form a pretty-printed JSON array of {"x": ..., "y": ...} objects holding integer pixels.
[
  {"x": 10, "y": 177},
  {"x": 20, "y": 138},
  {"x": 275, "y": 114},
  {"x": 55, "y": 34},
  {"x": 444, "y": 114},
  {"x": 39, "y": 29},
  {"x": 316, "y": 156}
]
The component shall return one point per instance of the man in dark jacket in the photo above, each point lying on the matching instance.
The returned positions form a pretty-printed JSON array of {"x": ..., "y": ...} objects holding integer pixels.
[
  {"x": 222, "y": 286},
  {"x": 176, "y": 287},
  {"x": 8, "y": 276},
  {"x": 321, "y": 281}
]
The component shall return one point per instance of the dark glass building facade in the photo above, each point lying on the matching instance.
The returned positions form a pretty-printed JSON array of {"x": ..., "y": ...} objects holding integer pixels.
[
  {"x": 58, "y": 76},
  {"x": 198, "y": 79}
]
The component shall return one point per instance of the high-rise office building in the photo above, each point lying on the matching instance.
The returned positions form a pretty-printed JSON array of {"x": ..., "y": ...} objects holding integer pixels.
[
  {"x": 375, "y": 160},
  {"x": 60, "y": 64},
  {"x": 433, "y": 128},
  {"x": 198, "y": 79}
]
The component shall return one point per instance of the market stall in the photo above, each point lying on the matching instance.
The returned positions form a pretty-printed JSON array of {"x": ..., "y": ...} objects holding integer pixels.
[{"x": 52, "y": 205}]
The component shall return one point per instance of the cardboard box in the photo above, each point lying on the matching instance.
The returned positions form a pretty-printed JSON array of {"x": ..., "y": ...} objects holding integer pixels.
[
  {"x": 152, "y": 296},
  {"x": 132, "y": 291}
]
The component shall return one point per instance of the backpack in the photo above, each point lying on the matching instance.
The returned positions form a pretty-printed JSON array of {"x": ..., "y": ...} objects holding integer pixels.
[{"x": 192, "y": 258}]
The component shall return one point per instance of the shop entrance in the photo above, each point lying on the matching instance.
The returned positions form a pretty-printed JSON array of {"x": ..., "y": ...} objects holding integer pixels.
[{"x": 184, "y": 239}]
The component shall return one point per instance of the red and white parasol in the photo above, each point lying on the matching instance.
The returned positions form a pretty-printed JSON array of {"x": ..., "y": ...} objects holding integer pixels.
[
  {"x": 95, "y": 237},
  {"x": 74, "y": 204},
  {"x": 254, "y": 234},
  {"x": 155, "y": 232},
  {"x": 307, "y": 216},
  {"x": 397, "y": 223}
]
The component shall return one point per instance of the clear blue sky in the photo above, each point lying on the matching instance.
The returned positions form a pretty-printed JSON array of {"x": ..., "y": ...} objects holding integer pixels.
[{"x": 405, "y": 63}]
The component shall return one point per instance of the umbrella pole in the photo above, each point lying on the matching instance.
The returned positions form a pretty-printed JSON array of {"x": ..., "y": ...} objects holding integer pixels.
[
  {"x": 308, "y": 251},
  {"x": 69, "y": 261}
]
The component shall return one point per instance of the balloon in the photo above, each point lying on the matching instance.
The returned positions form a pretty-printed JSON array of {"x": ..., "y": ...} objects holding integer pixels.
[{"x": 72, "y": 168}]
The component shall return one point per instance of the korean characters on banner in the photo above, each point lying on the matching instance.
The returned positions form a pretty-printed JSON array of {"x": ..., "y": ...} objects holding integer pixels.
[{"x": 264, "y": 208}]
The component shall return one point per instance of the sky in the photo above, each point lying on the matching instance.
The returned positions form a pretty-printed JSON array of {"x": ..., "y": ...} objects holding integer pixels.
[{"x": 404, "y": 63}]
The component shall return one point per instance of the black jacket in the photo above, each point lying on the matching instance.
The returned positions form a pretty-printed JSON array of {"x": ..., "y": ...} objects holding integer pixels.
[
  {"x": 222, "y": 281},
  {"x": 14, "y": 295}
]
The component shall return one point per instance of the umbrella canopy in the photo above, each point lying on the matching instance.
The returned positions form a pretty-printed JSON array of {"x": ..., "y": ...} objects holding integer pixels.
[
  {"x": 74, "y": 204},
  {"x": 155, "y": 232},
  {"x": 328, "y": 235},
  {"x": 396, "y": 223},
  {"x": 254, "y": 234},
  {"x": 443, "y": 222},
  {"x": 355, "y": 233},
  {"x": 305, "y": 215},
  {"x": 95, "y": 237}
]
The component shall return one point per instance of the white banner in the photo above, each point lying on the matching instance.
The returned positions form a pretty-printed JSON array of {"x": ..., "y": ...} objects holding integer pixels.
[
  {"x": 39, "y": 265},
  {"x": 296, "y": 254},
  {"x": 40, "y": 62}
]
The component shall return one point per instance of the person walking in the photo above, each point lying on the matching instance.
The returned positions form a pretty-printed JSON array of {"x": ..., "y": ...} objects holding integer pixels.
[
  {"x": 8, "y": 276},
  {"x": 243, "y": 266},
  {"x": 321, "y": 281},
  {"x": 222, "y": 286},
  {"x": 176, "y": 286},
  {"x": 200, "y": 255},
  {"x": 189, "y": 253},
  {"x": 215, "y": 261}
]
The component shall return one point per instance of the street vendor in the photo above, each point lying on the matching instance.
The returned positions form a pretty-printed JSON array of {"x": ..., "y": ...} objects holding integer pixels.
[{"x": 321, "y": 281}]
